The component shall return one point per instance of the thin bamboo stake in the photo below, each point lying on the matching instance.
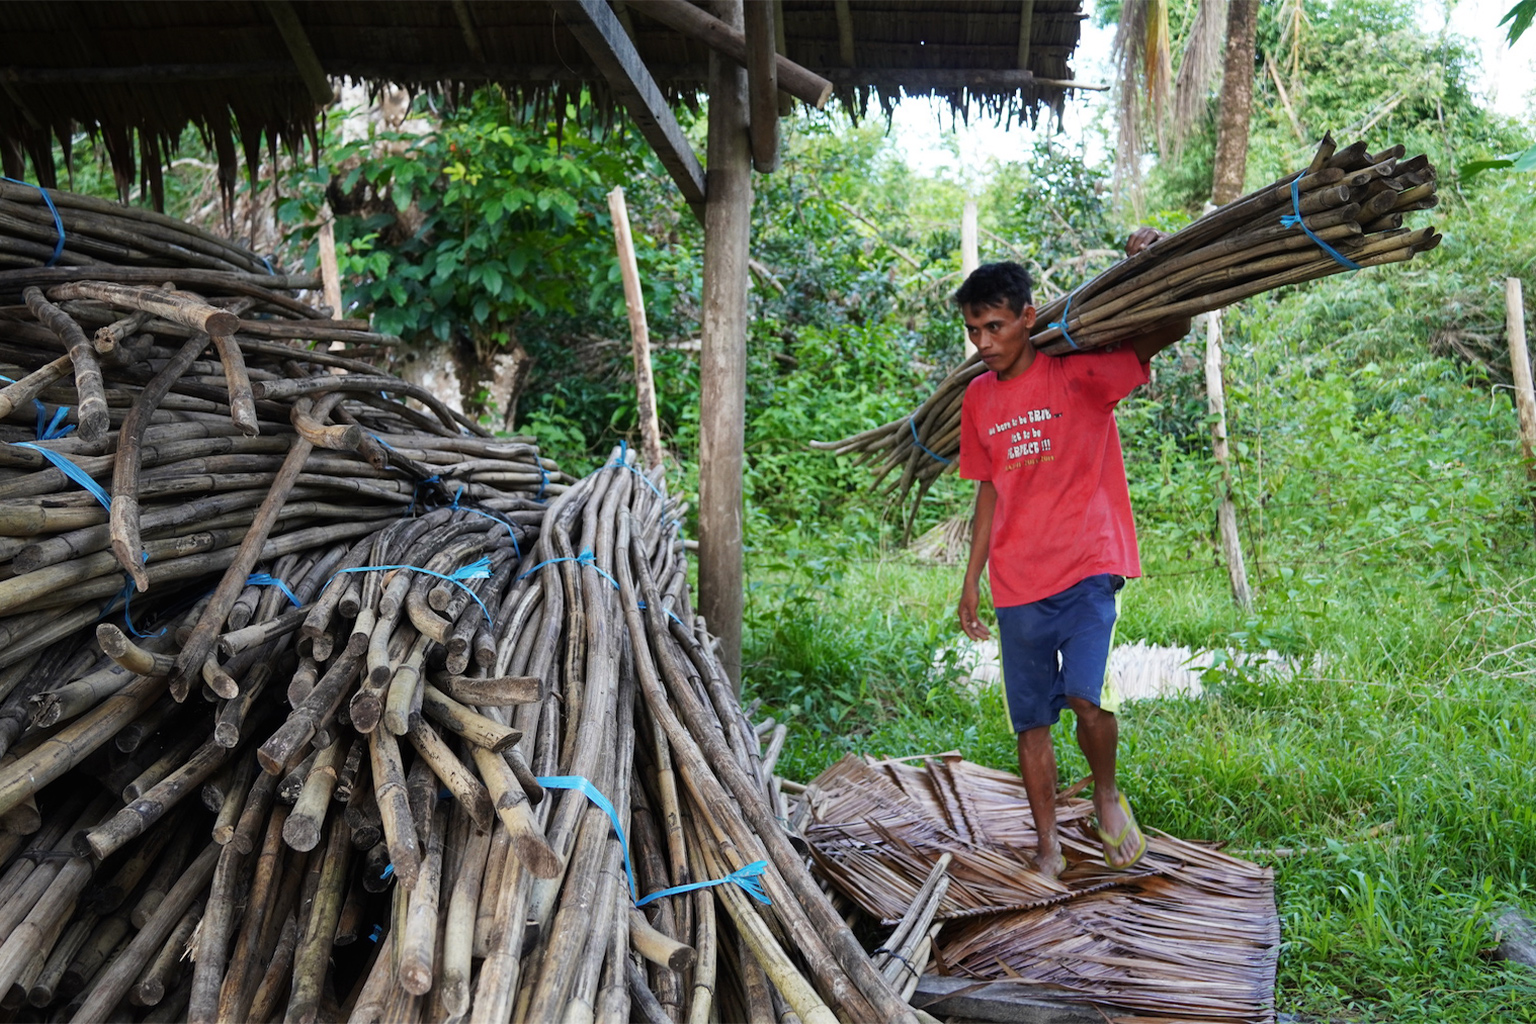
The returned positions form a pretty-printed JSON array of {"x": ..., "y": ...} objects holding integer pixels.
[{"x": 639, "y": 332}]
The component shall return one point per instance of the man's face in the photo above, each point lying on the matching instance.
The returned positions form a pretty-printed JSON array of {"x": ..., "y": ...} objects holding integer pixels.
[{"x": 1001, "y": 337}]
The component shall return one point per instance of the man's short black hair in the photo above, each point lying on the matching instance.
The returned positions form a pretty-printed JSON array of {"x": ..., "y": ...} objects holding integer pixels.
[{"x": 996, "y": 284}]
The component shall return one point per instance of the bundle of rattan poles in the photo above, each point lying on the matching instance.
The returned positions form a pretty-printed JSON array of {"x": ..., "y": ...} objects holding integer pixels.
[
  {"x": 319, "y": 705},
  {"x": 1349, "y": 200},
  {"x": 65, "y": 229}
]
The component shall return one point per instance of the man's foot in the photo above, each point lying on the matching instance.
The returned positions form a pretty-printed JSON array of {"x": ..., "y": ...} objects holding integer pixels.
[
  {"x": 1049, "y": 861},
  {"x": 1124, "y": 843}
]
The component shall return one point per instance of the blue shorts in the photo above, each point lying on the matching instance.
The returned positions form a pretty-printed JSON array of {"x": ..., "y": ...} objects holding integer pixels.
[{"x": 1058, "y": 647}]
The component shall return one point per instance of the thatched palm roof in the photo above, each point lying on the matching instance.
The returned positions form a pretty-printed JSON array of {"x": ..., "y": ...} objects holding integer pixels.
[{"x": 138, "y": 71}]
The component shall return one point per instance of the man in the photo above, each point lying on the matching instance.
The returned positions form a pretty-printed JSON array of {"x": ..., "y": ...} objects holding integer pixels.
[{"x": 1053, "y": 517}]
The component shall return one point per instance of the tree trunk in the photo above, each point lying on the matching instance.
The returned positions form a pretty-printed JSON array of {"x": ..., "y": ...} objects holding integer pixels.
[{"x": 1236, "y": 102}]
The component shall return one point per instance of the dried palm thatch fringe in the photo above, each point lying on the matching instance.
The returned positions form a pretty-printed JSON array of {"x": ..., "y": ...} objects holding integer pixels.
[
  {"x": 1190, "y": 935},
  {"x": 1349, "y": 198},
  {"x": 364, "y": 643}
]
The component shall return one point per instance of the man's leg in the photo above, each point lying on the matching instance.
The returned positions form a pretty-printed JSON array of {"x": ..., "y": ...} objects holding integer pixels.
[
  {"x": 1098, "y": 734},
  {"x": 1037, "y": 764}
]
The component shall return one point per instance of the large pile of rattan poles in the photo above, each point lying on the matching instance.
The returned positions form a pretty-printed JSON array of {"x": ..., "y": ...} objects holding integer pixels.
[
  {"x": 1344, "y": 211},
  {"x": 318, "y": 704}
]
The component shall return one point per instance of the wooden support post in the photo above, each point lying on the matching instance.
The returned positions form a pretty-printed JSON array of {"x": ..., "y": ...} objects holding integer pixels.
[
  {"x": 844, "y": 32},
  {"x": 302, "y": 52},
  {"x": 728, "y": 39},
  {"x": 1520, "y": 369},
  {"x": 970, "y": 256},
  {"x": 762, "y": 85},
  {"x": 467, "y": 26},
  {"x": 1026, "y": 31},
  {"x": 639, "y": 331},
  {"x": 723, "y": 358},
  {"x": 1226, "y": 513}
]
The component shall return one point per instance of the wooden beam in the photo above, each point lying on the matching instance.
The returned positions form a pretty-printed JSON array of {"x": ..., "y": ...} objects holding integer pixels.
[
  {"x": 1026, "y": 30},
  {"x": 1002, "y": 1001},
  {"x": 722, "y": 38},
  {"x": 601, "y": 35},
  {"x": 844, "y": 32},
  {"x": 467, "y": 26},
  {"x": 921, "y": 79},
  {"x": 762, "y": 84},
  {"x": 299, "y": 48},
  {"x": 723, "y": 355},
  {"x": 786, "y": 101}
]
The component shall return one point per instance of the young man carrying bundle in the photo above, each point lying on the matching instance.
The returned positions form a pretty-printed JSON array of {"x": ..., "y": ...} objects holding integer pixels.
[{"x": 1053, "y": 518}]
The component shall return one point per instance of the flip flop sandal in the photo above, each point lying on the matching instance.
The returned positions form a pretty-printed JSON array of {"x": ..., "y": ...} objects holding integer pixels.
[{"x": 1113, "y": 842}]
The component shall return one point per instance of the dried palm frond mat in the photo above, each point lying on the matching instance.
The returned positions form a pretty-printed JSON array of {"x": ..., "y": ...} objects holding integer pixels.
[{"x": 1189, "y": 934}]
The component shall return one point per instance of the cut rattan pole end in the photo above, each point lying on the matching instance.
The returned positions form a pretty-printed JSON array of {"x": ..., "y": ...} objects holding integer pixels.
[{"x": 116, "y": 645}]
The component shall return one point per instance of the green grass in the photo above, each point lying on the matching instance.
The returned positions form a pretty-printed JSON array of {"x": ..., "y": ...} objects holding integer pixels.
[{"x": 1418, "y": 718}]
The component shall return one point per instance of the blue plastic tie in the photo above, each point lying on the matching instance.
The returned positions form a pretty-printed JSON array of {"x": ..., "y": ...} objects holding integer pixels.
[
  {"x": 543, "y": 479},
  {"x": 1293, "y": 220},
  {"x": 383, "y": 442},
  {"x": 477, "y": 570},
  {"x": 586, "y": 558},
  {"x": 262, "y": 579},
  {"x": 72, "y": 471},
  {"x": 668, "y": 611},
  {"x": 126, "y": 596},
  {"x": 912, "y": 423},
  {"x": 8, "y": 380},
  {"x": 1062, "y": 323},
  {"x": 623, "y": 463},
  {"x": 516, "y": 548},
  {"x": 50, "y": 430},
  {"x": 748, "y": 878},
  {"x": 58, "y": 222},
  {"x": 378, "y": 930},
  {"x": 273, "y": 272},
  {"x": 586, "y": 789},
  {"x": 389, "y": 869}
]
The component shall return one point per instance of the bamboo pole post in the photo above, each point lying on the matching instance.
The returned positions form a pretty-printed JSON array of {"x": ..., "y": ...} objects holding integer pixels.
[
  {"x": 639, "y": 331},
  {"x": 1226, "y": 512},
  {"x": 1520, "y": 368},
  {"x": 970, "y": 258},
  {"x": 330, "y": 273}
]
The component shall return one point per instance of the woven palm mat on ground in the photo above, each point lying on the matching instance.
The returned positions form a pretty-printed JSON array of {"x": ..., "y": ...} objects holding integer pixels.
[{"x": 1189, "y": 934}]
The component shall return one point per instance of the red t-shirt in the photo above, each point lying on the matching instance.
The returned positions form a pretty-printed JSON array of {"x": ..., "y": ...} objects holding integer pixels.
[{"x": 1047, "y": 440}]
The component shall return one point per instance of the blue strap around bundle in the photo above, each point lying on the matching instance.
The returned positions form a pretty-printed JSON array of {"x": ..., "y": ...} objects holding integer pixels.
[
  {"x": 58, "y": 222},
  {"x": 476, "y": 570},
  {"x": 622, "y": 462},
  {"x": 1293, "y": 219},
  {"x": 263, "y": 579},
  {"x": 516, "y": 548},
  {"x": 746, "y": 877},
  {"x": 72, "y": 471},
  {"x": 1061, "y": 324},
  {"x": 586, "y": 558},
  {"x": 912, "y": 423}
]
